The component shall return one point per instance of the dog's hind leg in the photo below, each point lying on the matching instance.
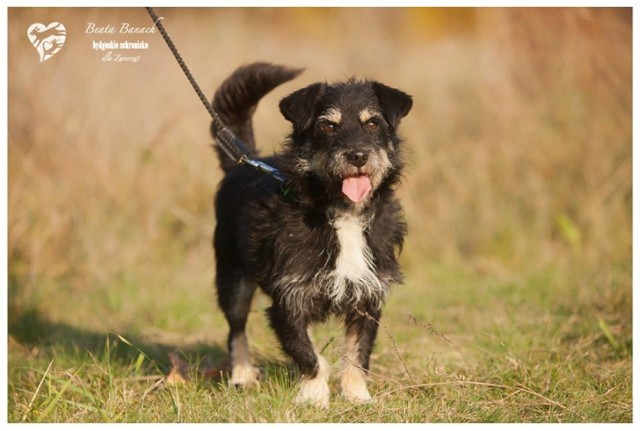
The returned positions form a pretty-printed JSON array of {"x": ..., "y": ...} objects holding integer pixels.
[
  {"x": 234, "y": 296},
  {"x": 361, "y": 331}
]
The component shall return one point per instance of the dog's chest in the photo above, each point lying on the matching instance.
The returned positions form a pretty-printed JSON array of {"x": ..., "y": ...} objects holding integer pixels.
[
  {"x": 354, "y": 257},
  {"x": 354, "y": 272}
]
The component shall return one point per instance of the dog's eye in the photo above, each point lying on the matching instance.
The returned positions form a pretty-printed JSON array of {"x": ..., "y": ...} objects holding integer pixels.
[
  {"x": 328, "y": 127},
  {"x": 371, "y": 125}
]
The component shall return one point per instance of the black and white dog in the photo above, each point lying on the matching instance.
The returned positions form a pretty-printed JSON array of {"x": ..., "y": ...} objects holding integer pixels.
[{"x": 324, "y": 243}]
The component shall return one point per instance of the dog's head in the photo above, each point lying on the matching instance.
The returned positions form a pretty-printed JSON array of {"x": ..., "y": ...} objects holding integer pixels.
[{"x": 344, "y": 136}]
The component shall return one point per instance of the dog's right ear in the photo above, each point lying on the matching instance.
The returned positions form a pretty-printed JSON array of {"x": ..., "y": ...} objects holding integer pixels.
[{"x": 300, "y": 106}]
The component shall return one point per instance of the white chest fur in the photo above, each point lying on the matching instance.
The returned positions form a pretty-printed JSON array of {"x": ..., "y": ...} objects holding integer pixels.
[{"x": 354, "y": 263}]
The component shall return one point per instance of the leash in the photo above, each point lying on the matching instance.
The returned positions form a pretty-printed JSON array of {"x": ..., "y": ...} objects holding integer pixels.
[{"x": 225, "y": 138}]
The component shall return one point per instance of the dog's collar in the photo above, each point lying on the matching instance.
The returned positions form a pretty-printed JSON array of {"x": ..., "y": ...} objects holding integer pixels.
[{"x": 265, "y": 168}]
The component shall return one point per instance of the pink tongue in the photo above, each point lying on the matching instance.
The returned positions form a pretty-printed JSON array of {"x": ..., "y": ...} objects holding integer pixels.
[{"x": 356, "y": 188}]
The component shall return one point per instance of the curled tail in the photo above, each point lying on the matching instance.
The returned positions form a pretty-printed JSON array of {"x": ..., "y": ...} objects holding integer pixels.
[{"x": 236, "y": 99}]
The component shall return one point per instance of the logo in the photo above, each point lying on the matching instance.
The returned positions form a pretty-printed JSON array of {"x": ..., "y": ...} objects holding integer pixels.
[{"x": 48, "y": 40}]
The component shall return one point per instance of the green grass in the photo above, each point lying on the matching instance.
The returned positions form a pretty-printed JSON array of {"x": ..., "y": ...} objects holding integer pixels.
[{"x": 460, "y": 347}]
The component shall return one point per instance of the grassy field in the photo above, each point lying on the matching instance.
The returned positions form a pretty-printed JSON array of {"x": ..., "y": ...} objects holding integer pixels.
[{"x": 517, "y": 303}]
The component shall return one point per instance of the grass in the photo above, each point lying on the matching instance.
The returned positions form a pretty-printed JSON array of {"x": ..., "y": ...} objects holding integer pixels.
[
  {"x": 534, "y": 349},
  {"x": 517, "y": 303}
]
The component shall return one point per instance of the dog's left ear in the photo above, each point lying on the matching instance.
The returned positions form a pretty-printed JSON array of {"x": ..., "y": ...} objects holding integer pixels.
[
  {"x": 395, "y": 104},
  {"x": 299, "y": 107}
]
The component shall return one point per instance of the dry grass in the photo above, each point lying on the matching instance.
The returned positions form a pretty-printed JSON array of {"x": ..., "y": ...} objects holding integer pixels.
[{"x": 518, "y": 198}]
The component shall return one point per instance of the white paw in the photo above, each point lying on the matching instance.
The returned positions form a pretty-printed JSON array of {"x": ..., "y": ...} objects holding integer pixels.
[
  {"x": 244, "y": 376},
  {"x": 359, "y": 394},
  {"x": 315, "y": 391},
  {"x": 354, "y": 385}
]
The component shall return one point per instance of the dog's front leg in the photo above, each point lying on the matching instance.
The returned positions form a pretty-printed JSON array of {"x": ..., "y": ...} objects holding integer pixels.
[
  {"x": 361, "y": 331},
  {"x": 291, "y": 330}
]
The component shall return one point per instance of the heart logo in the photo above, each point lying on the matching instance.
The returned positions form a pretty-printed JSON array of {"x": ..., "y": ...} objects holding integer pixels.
[{"x": 48, "y": 40}]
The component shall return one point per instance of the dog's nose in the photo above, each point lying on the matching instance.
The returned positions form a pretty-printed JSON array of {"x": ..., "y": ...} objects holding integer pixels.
[{"x": 358, "y": 157}]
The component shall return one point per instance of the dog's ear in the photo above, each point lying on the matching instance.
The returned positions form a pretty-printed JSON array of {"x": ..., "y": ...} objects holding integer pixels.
[
  {"x": 299, "y": 107},
  {"x": 395, "y": 104}
]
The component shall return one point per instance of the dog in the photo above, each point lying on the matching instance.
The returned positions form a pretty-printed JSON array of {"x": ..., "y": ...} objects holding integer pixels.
[{"x": 326, "y": 242}]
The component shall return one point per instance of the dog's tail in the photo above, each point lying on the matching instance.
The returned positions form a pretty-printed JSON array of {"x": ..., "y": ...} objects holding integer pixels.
[{"x": 236, "y": 99}]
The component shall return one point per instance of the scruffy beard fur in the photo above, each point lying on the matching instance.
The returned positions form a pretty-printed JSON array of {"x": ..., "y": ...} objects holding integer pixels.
[{"x": 326, "y": 241}]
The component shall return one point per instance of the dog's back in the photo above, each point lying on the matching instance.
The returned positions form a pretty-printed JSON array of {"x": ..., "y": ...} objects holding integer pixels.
[{"x": 236, "y": 99}]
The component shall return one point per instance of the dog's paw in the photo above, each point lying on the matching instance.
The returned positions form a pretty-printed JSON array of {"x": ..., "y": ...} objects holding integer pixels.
[
  {"x": 314, "y": 391},
  {"x": 354, "y": 385},
  {"x": 356, "y": 393},
  {"x": 358, "y": 397},
  {"x": 244, "y": 376}
]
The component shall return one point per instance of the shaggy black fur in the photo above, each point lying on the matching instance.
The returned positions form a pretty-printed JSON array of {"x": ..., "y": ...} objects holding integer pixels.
[{"x": 284, "y": 238}]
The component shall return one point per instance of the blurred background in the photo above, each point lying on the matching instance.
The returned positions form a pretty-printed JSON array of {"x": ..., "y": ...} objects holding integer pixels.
[{"x": 519, "y": 147}]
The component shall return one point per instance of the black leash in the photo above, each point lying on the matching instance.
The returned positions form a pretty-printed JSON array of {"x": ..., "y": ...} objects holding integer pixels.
[{"x": 225, "y": 138}]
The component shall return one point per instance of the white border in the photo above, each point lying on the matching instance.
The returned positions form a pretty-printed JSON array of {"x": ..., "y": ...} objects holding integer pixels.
[{"x": 289, "y": 3}]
